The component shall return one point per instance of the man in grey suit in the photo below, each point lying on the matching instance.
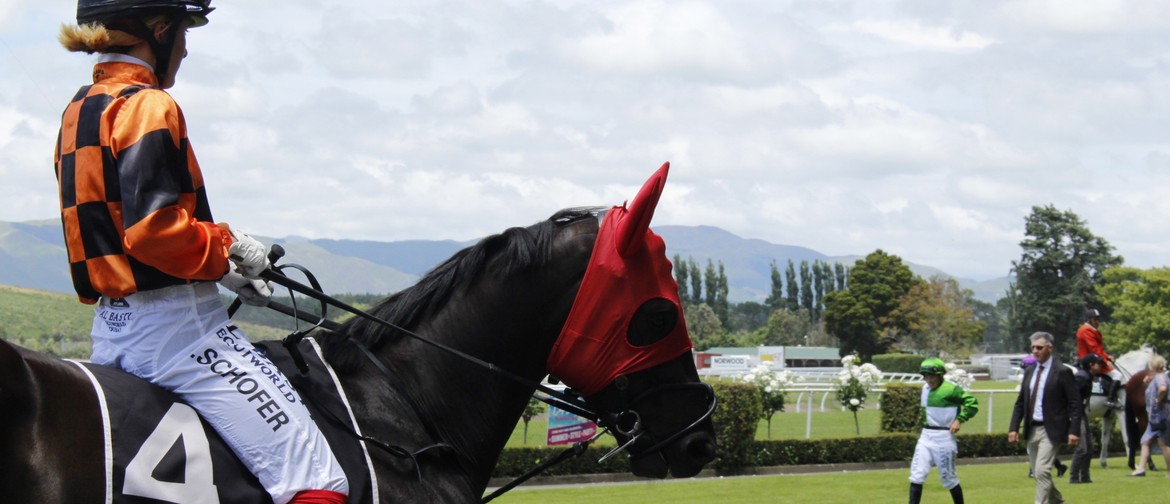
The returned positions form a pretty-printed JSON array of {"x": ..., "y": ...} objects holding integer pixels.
[{"x": 1047, "y": 406}]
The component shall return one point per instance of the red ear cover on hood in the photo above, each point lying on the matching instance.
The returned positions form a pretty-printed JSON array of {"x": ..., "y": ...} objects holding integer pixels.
[
  {"x": 637, "y": 221},
  {"x": 628, "y": 268}
]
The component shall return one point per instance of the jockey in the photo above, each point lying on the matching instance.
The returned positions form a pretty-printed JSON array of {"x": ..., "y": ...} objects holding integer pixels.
[
  {"x": 1089, "y": 340},
  {"x": 143, "y": 247},
  {"x": 944, "y": 407}
]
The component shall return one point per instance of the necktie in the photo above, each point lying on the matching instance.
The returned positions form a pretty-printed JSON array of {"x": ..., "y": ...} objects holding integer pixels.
[{"x": 1035, "y": 391}]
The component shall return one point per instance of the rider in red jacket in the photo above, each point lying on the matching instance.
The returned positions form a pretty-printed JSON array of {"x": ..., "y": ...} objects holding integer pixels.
[{"x": 1090, "y": 341}]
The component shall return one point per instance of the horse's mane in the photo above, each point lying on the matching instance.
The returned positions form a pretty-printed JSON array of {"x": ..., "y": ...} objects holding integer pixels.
[{"x": 518, "y": 248}]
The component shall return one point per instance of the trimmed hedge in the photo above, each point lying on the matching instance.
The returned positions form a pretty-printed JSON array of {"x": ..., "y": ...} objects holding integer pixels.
[
  {"x": 516, "y": 461},
  {"x": 835, "y": 451},
  {"x": 902, "y": 408},
  {"x": 898, "y": 363},
  {"x": 735, "y": 418},
  {"x": 882, "y": 448}
]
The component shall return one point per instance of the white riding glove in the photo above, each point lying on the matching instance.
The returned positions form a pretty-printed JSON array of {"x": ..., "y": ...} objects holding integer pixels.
[
  {"x": 254, "y": 292},
  {"x": 248, "y": 254}
]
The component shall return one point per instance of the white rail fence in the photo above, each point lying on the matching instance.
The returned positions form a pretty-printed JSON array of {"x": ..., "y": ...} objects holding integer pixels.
[
  {"x": 806, "y": 397},
  {"x": 822, "y": 382}
]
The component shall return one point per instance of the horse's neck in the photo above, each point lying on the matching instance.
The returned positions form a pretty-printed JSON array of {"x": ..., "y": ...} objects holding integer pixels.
[
  {"x": 1133, "y": 361},
  {"x": 436, "y": 397}
]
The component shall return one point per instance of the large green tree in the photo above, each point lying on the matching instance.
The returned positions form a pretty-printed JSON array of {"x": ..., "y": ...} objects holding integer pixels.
[
  {"x": 787, "y": 328},
  {"x": 936, "y": 318},
  {"x": 1140, "y": 305},
  {"x": 858, "y": 315},
  {"x": 1057, "y": 274},
  {"x": 705, "y": 328},
  {"x": 994, "y": 326},
  {"x": 747, "y": 316}
]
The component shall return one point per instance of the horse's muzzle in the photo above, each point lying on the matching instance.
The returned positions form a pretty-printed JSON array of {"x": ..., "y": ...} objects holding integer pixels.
[{"x": 682, "y": 459}]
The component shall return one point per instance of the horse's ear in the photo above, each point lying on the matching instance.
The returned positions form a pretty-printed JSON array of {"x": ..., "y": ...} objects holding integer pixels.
[{"x": 637, "y": 220}]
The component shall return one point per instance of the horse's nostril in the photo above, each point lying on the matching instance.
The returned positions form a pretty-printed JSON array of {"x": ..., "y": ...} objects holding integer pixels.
[{"x": 701, "y": 450}]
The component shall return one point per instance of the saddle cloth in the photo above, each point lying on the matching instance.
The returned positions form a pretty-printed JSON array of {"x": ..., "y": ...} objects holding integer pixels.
[{"x": 158, "y": 449}]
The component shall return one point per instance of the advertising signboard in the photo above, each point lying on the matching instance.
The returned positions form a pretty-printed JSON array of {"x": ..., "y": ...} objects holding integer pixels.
[{"x": 567, "y": 428}]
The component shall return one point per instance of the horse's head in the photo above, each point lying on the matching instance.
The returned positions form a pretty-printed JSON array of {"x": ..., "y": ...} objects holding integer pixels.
[{"x": 625, "y": 346}]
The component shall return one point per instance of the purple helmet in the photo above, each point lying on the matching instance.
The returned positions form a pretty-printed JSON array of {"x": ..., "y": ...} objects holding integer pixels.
[{"x": 1028, "y": 360}]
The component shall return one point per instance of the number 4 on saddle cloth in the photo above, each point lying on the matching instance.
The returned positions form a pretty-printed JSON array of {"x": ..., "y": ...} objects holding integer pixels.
[{"x": 159, "y": 450}]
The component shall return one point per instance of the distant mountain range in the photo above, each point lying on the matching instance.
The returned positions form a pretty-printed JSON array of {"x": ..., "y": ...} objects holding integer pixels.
[{"x": 32, "y": 254}]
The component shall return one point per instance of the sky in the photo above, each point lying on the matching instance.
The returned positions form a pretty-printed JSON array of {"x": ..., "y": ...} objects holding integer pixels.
[{"x": 928, "y": 129}]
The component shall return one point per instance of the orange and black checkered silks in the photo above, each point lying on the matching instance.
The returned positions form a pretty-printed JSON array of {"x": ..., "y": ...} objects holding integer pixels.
[{"x": 133, "y": 206}]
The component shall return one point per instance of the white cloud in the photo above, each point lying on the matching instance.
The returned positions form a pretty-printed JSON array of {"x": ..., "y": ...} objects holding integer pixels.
[
  {"x": 915, "y": 34},
  {"x": 654, "y": 36},
  {"x": 926, "y": 129},
  {"x": 1090, "y": 18}
]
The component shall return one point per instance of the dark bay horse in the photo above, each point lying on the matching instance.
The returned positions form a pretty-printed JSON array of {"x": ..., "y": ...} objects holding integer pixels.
[
  {"x": 525, "y": 300},
  {"x": 1136, "y": 417}
]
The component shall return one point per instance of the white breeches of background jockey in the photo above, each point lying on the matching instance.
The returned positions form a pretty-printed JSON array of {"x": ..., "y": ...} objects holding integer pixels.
[
  {"x": 935, "y": 448},
  {"x": 180, "y": 339}
]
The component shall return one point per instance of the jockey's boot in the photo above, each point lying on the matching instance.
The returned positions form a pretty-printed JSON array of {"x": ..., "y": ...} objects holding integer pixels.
[
  {"x": 318, "y": 497},
  {"x": 957, "y": 494},
  {"x": 915, "y": 493},
  {"x": 1112, "y": 396}
]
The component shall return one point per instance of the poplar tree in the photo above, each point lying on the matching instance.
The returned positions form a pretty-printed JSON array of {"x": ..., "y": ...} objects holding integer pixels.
[
  {"x": 680, "y": 277},
  {"x": 696, "y": 283},
  {"x": 792, "y": 302},
  {"x": 775, "y": 300},
  {"x": 806, "y": 291}
]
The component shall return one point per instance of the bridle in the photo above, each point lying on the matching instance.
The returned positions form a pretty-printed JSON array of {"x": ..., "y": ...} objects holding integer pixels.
[{"x": 626, "y": 422}]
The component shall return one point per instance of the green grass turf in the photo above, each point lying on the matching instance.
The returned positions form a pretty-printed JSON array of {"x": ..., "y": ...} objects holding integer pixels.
[{"x": 981, "y": 483}]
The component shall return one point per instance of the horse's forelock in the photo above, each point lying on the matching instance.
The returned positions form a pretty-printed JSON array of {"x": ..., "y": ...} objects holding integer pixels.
[{"x": 515, "y": 250}]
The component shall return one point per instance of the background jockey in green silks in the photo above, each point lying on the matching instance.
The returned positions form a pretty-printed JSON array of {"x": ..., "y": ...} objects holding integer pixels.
[{"x": 944, "y": 407}]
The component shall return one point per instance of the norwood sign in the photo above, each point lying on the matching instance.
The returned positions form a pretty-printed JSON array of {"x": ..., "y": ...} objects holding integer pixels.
[{"x": 731, "y": 363}]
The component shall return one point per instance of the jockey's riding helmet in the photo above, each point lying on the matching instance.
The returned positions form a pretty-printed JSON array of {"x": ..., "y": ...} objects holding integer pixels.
[
  {"x": 1088, "y": 360},
  {"x": 933, "y": 366},
  {"x": 89, "y": 11}
]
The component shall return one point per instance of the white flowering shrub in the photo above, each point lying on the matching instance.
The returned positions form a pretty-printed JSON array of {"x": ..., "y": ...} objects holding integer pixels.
[
  {"x": 854, "y": 382},
  {"x": 771, "y": 385},
  {"x": 958, "y": 376}
]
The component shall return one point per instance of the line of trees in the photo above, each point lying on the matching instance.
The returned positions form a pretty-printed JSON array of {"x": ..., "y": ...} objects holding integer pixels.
[{"x": 879, "y": 306}]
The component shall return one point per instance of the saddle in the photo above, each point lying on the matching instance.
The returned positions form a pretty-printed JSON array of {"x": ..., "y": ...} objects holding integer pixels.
[{"x": 159, "y": 450}]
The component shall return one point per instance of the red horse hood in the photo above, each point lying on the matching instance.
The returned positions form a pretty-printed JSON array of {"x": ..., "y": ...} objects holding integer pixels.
[{"x": 628, "y": 268}]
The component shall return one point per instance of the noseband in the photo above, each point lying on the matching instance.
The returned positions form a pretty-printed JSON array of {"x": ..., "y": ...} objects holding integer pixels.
[{"x": 628, "y": 422}]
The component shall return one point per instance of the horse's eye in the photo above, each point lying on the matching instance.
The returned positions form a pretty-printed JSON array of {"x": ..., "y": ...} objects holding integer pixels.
[{"x": 652, "y": 321}]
